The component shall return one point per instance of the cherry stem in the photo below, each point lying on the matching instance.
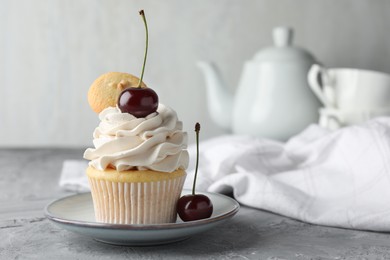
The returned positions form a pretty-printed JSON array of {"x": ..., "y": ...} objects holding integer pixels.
[
  {"x": 197, "y": 129},
  {"x": 142, "y": 13}
]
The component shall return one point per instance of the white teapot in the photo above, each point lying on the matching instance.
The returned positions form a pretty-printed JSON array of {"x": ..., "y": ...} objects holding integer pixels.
[{"x": 273, "y": 99}]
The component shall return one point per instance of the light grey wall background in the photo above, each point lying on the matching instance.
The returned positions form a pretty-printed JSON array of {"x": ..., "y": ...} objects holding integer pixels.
[{"x": 52, "y": 50}]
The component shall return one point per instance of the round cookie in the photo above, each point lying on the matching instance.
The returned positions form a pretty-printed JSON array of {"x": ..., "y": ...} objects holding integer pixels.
[{"x": 105, "y": 90}]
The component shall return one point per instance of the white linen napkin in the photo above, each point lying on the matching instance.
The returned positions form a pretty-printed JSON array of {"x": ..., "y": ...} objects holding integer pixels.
[
  {"x": 337, "y": 178},
  {"x": 73, "y": 177}
]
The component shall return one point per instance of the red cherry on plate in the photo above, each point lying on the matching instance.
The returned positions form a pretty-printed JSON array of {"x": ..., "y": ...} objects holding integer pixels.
[
  {"x": 194, "y": 207},
  {"x": 139, "y": 102}
]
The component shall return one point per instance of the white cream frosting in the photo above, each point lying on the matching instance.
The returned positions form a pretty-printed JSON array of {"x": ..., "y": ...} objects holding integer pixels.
[{"x": 124, "y": 142}]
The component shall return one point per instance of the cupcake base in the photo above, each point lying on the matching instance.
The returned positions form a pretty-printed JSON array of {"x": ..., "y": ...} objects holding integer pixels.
[{"x": 135, "y": 197}]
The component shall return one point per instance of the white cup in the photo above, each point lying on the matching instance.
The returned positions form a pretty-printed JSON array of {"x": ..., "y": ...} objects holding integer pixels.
[
  {"x": 344, "y": 88},
  {"x": 332, "y": 118}
]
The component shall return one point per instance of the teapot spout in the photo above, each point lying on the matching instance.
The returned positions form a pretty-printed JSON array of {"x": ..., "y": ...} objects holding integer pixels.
[{"x": 219, "y": 100}]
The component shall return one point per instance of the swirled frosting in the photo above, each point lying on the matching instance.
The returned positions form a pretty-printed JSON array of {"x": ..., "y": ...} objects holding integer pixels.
[{"x": 124, "y": 142}]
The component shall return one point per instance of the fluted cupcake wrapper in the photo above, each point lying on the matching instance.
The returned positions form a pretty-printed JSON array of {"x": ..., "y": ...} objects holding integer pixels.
[{"x": 136, "y": 202}]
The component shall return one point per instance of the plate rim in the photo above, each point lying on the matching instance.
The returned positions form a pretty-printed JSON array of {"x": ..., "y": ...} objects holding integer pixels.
[{"x": 162, "y": 226}]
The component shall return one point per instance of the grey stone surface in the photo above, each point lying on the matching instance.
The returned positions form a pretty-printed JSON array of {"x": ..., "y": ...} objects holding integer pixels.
[{"x": 29, "y": 180}]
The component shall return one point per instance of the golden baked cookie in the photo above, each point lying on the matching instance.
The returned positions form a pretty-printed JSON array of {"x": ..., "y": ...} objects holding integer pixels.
[{"x": 105, "y": 90}]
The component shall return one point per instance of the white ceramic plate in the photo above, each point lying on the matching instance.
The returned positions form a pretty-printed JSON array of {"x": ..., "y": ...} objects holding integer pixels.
[{"x": 75, "y": 213}]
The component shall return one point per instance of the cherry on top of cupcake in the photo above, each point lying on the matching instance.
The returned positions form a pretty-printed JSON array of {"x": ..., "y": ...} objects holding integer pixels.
[
  {"x": 126, "y": 91},
  {"x": 138, "y": 101}
]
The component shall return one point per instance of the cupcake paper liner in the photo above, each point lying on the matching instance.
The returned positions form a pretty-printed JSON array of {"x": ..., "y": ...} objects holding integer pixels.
[{"x": 136, "y": 202}]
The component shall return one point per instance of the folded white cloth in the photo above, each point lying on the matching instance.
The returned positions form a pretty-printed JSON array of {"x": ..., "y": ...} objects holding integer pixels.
[
  {"x": 73, "y": 177},
  {"x": 337, "y": 178}
]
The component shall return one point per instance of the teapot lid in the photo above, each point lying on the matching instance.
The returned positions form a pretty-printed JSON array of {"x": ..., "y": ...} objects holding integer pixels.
[{"x": 283, "y": 50}]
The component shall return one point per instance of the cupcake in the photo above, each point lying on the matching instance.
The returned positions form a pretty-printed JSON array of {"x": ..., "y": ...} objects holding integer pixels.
[{"x": 137, "y": 166}]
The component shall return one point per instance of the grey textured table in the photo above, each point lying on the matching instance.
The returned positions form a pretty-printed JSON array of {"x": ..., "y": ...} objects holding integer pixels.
[{"x": 29, "y": 180}]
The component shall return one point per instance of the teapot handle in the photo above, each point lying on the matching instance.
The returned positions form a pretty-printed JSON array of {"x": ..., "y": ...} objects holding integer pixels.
[{"x": 315, "y": 72}]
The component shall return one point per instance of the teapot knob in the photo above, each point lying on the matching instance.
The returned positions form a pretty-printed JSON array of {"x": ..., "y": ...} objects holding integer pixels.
[{"x": 282, "y": 36}]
